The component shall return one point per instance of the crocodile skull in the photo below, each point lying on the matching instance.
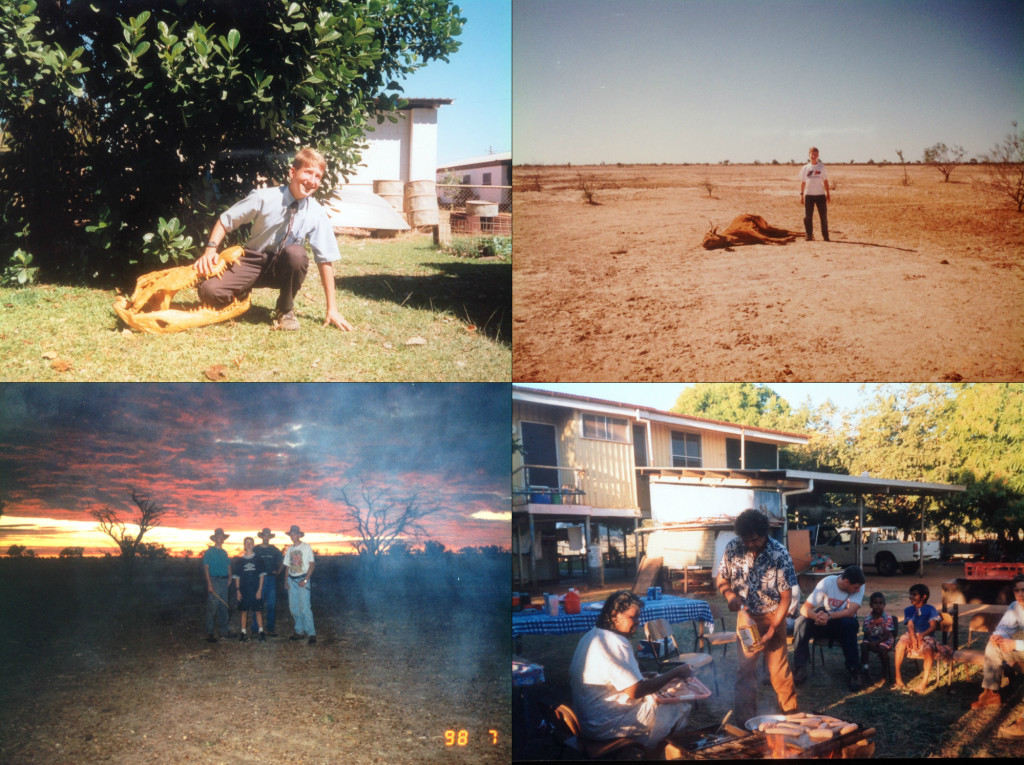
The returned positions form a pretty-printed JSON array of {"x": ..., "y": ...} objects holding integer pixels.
[{"x": 149, "y": 307}]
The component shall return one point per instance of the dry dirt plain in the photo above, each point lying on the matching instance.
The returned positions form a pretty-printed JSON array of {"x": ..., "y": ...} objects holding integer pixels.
[{"x": 919, "y": 282}]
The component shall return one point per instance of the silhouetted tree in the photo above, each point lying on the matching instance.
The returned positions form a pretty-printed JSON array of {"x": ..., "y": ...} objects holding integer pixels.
[
  {"x": 72, "y": 552},
  {"x": 130, "y": 545},
  {"x": 383, "y": 516}
]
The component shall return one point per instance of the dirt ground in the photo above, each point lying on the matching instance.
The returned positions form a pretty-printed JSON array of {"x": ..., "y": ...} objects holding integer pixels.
[
  {"x": 919, "y": 282},
  {"x": 95, "y": 671},
  {"x": 937, "y": 723}
]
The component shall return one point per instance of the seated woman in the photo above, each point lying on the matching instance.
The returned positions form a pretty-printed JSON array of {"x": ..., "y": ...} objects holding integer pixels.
[{"x": 610, "y": 695}]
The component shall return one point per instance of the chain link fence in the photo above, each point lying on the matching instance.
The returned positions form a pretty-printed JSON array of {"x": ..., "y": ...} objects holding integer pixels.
[{"x": 476, "y": 219}]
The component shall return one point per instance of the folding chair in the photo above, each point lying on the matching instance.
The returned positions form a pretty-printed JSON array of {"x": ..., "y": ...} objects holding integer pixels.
[
  {"x": 709, "y": 641},
  {"x": 568, "y": 735}
]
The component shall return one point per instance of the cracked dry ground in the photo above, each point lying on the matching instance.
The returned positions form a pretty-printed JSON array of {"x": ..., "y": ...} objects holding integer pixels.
[{"x": 97, "y": 672}]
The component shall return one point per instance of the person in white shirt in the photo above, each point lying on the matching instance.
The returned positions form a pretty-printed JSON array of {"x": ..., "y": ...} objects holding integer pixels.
[
  {"x": 611, "y": 697},
  {"x": 814, "y": 181},
  {"x": 831, "y": 611},
  {"x": 1004, "y": 646}
]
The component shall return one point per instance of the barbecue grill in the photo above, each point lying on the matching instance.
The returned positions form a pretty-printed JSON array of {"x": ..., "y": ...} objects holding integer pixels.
[{"x": 735, "y": 743}]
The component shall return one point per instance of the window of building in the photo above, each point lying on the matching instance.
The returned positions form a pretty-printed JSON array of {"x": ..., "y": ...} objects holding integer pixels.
[
  {"x": 605, "y": 428},
  {"x": 487, "y": 179},
  {"x": 686, "y": 450}
]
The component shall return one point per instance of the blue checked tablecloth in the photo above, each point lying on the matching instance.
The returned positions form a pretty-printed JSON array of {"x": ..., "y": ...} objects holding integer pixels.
[{"x": 670, "y": 607}]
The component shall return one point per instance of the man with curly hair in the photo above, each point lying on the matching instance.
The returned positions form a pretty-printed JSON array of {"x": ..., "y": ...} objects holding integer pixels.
[{"x": 756, "y": 573}]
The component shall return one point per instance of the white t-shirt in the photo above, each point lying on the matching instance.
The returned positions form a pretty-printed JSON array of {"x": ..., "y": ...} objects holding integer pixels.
[
  {"x": 603, "y": 666},
  {"x": 814, "y": 176},
  {"x": 828, "y": 594},
  {"x": 297, "y": 558}
]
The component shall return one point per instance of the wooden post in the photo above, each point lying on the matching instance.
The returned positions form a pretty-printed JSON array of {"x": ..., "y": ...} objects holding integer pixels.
[{"x": 443, "y": 233}]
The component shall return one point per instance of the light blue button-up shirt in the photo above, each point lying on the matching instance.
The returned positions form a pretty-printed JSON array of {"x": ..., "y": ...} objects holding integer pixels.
[{"x": 267, "y": 210}]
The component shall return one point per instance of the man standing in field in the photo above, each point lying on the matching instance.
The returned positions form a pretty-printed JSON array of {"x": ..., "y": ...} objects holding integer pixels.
[
  {"x": 216, "y": 568},
  {"x": 273, "y": 564},
  {"x": 298, "y": 557},
  {"x": 814, "y": 181}
]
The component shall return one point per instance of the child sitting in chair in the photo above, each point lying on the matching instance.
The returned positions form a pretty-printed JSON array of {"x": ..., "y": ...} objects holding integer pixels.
[
  {"x": 922, "y": 619},
  {"x": 879, "y": 635}
]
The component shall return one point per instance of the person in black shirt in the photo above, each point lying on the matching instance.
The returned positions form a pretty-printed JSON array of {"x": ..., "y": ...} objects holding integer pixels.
[
  {"x": 248, "y": 572},
  {"x": 273, "y": 564}
]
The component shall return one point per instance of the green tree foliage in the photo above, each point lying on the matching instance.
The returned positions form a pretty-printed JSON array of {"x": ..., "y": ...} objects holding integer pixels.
[
  {"x": 121, "y": 113},
  {"x": 745, "y": 403}
]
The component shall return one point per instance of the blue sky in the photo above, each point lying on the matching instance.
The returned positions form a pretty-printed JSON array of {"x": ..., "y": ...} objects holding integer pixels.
[
  {"x": 705, "y": 81},
  {"x": 478, "y": 76},
  {"x": 846, "y": 396}
]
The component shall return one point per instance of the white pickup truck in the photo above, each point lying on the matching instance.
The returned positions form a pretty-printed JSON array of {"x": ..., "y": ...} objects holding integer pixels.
[{"x": 882, "y": 549}]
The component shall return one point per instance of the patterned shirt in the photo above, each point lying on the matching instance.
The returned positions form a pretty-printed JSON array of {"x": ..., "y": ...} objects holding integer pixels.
[
  {"x": 874, "y": 628},
  {"x": 759, "y": 580}
]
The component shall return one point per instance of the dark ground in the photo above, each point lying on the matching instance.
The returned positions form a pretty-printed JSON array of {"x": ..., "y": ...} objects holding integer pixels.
[{"x": 94, "y": 670}]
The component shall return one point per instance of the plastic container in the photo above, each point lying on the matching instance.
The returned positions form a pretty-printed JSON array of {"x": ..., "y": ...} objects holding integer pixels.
[
  {"x": 572, "y": 602},
  {"x": 552, "y": 605}
]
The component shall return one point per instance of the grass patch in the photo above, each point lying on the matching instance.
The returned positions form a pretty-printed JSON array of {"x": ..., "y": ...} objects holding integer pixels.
[{"x": 391, "y": 290}]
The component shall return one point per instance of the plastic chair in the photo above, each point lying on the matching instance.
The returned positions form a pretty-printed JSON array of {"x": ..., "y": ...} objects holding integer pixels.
[
  {"x": 568, "y": 735},
  {"x": 722, "y": 638}
]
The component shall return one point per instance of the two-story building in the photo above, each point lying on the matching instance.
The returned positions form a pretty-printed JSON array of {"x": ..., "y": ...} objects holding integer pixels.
[
  {"x": 675, "y": 482},
  {"x": 586, "y": 463}
]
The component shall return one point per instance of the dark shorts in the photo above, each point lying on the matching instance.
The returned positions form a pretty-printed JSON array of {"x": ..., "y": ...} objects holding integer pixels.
[{"x": 249, "y": 602}]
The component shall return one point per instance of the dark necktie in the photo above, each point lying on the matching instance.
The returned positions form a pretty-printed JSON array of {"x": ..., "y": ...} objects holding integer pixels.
[{"x": 292, "y": 209}]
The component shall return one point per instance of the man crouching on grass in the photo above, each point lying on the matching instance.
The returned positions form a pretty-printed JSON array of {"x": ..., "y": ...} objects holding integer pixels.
[
  {"x": 283, "y": 219},
  {"x": 609, "y": 694}
]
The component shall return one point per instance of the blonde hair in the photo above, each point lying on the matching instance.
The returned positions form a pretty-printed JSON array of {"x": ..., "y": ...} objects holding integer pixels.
[{"x": 308, "y": 156}]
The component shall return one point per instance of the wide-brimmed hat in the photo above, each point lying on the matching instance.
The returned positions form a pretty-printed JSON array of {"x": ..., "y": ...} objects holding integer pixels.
[
  {"x": 266, "y": 534},
  {"x": 219, "y": 534},
  {"x": 295, "y": 530}
]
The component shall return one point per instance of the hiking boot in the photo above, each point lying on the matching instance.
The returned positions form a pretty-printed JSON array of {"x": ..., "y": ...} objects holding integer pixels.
[
  {"x": 855, "y": 680},
  {"x": 987, "y": 699},
  {"x": 263, "y": 636},
  {"x": 211, "y": 638},
  {"x": 312, "y": 639},
  {"x": 286, "y": 320},
  {"x": 296, "y": 636},
  {"x": 242, "y": 638}
]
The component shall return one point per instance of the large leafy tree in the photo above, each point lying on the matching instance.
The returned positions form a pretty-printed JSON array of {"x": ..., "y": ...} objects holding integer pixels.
[{"x": 122, "y": 113}]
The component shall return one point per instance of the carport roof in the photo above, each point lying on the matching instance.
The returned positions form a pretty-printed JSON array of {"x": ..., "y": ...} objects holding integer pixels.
[{"x": 796, "y": 480}]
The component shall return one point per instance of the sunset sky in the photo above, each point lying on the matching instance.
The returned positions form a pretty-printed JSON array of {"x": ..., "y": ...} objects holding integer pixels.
[{"x": 247, "y": 456}]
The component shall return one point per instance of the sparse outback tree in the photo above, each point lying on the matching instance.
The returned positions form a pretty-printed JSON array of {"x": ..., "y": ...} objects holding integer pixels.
[
  {"x": 383, "y": 516},
  {"x": 130, "y": 545},
  {"x": 944, "y": 158},
  {"x": 1005, "y": 167}
]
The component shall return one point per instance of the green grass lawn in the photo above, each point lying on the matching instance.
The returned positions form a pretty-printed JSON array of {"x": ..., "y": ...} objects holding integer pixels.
[{"x": 392, "y": 291}]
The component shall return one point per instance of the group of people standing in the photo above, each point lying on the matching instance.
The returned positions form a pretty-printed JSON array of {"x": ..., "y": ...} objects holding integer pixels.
[
  {"x": 254, "y": 574},
  {"x": 756, "y": 576}
]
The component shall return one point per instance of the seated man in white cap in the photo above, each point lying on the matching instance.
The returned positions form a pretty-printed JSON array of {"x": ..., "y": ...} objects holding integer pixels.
[{"x": 298, "y": 557}]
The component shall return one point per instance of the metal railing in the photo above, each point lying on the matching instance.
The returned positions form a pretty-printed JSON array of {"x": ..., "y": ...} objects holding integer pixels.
[{"x": 566, "y": 493}]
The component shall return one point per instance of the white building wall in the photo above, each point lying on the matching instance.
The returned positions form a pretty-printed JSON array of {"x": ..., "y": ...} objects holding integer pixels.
[{"x": 400, "y": 151}]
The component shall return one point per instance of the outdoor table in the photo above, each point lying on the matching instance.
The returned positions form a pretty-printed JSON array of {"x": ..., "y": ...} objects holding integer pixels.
[
  {"x": 670, "y": 607},
  {"x": 970, "y": 609}
]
